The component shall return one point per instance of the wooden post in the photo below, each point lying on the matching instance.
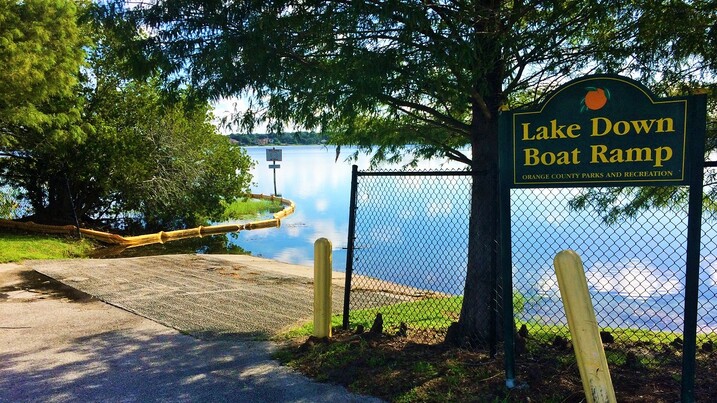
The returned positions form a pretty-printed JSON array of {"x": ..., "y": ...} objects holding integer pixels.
[
  {"x": 587, "y": 344},
  {"x": 322, "y": 288}
]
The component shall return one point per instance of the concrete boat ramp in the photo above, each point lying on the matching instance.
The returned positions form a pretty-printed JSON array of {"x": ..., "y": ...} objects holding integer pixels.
[
  {"x": 190, "y": 328},
  {"x": 207, "y": 296}
]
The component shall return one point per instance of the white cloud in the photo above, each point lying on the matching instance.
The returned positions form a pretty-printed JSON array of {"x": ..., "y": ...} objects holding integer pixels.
[
  {"x": 321, "y": 205},
  {"x": 633, "y": 279}
]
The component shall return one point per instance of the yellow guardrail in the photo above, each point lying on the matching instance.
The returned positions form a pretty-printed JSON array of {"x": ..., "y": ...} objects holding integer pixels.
[{"x": 162, "y": 236}]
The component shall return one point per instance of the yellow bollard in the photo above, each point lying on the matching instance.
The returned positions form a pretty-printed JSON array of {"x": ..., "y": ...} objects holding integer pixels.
[
  {"x": 579, "y": 309},
  {"x": 322, "y": 288}
]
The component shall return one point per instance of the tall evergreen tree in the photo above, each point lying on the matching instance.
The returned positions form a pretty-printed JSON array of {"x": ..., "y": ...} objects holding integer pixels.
[
  {"x": 81, "y": 139},
  {"x": 40, "y": 55}
]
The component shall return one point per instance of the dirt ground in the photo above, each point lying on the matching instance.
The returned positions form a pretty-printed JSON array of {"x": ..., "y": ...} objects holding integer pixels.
[{"x": 406, "y": 369}]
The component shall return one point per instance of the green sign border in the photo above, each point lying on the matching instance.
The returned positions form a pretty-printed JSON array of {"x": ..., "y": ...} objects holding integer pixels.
[{"x": 509, "y": 140}]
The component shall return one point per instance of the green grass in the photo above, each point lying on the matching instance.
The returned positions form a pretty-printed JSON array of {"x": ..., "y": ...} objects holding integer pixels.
[
  {"x": 18, "y": 247},
  {"x": 243, "y": 209},
  {"x": 439, "y": 313},
  {"x": 430, "y": 313},
  {"x": 545, "y": 333}
]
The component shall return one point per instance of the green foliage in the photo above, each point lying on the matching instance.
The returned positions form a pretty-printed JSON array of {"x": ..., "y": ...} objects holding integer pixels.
[
  {"x": 18, "y": 247},
  {"x": 125, "y": 147},
  {"x": 164, "y": 161},
  {"x": 301, "y": 137},
  {"x": 616, "y": 204},
  {"x": 41, "y": 49},
  {"x": 9, "y": 205},
  {"x": 619, "y": 203},
  {"x": 387, "y": 74},
  {"x": 424, "y": 368},
  {"x": 519, "y": 302},
  {"x": 170, "y": 163},
  {"x": 242, "y": 209}
]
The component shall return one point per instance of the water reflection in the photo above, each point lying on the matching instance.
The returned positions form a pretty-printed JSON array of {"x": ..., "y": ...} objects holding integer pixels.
[
  {"x": 219, "y": 244},
  {"x": 320, "y": 186},
  {"x": 633, "y": 278}
]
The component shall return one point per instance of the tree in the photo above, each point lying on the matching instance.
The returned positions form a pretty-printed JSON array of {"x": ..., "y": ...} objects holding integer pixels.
[
  {"x": 114, "y": 146},
  {"x": 143, "y": 155},
  {"x": 434, "y": 74},
  {"x": 686, "y": 59},
  {"x": 192, "y": 168},
  {"x": 626, "y": 203},
  {"x": 160, "y": 158},
  {"x": 41, "y": 49}
]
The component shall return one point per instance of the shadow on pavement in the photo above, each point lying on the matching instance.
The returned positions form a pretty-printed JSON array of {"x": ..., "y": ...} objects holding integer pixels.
[{"x": 137, "y": 366}]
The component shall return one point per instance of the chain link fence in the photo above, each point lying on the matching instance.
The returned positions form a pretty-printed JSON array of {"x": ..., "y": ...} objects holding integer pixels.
[
  {"x": 410, "y": 240},
  {"x": 635, "y": 268}
]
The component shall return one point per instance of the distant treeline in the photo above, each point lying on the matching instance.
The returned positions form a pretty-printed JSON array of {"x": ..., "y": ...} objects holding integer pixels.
[{"x": 279, "y": 139}]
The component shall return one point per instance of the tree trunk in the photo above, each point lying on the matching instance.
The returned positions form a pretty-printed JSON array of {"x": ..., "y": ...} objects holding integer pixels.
[
  {"x": 56, "y": 206},
  {"x": 479, "y": 324}
]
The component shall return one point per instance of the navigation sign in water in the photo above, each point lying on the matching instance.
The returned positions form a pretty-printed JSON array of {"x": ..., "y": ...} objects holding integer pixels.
[{"x": 274, "y": 154}]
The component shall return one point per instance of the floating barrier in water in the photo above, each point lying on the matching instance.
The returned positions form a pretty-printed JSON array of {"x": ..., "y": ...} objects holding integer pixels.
[{"x": 162, "y": 236}]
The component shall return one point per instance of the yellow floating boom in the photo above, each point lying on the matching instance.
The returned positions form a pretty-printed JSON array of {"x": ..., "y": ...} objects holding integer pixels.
[{"x": 162, "y": 236}]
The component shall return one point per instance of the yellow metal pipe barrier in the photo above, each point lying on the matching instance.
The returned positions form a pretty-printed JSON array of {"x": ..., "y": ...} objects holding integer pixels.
[
  {"x": 219, "y": 229},
  {"x": 587, "y": 344},
  {"x": 101, "y": 236},
  {"x": 322, "y": 288}
]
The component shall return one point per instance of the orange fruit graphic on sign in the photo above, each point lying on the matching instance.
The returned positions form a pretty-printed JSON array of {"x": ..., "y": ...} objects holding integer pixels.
[{"x": 595, "y": 99}]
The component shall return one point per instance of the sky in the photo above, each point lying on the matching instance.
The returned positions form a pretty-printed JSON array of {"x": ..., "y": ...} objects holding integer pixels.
[{"x": 224, "y": 107}]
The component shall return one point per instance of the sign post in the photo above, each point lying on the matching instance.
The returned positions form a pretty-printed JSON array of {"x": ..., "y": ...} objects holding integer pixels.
[
  {"x": 606, "y": 130},
  {"x": 273, "y": 154}
]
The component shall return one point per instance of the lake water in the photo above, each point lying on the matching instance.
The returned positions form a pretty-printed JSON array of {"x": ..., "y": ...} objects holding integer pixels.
[{"x": 320, "y": 185}]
